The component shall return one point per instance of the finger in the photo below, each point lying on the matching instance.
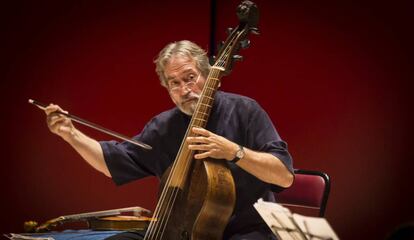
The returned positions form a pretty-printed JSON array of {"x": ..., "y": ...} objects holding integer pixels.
[
  {"x": 60, "y": 127},
  {"x": 54, "y": 128},
  {"x": 51, "y": 108},
  {"x": 55, "y": 115},
  {"x": 197, "y": 140},
  {"x": 54, "y": 108},
  {"x": 202, "y": 155},
  {"x": 202, "y": 147},
  {"x": 64, "y": 129},
  {"x": 56, "y": 119},
  {"x": 202, "y": 131}
]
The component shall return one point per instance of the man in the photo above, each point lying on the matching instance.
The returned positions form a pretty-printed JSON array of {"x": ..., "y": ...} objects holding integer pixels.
[{"x": 238, "y": 131}]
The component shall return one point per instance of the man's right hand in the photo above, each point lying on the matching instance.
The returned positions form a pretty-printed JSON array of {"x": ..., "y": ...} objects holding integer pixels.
[{"x": 58, "y": 123}]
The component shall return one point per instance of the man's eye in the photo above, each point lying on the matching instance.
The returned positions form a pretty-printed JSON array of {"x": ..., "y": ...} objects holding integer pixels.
[
  {"x": 174, "y": 84},
  {"x": 191, "y": 77}
]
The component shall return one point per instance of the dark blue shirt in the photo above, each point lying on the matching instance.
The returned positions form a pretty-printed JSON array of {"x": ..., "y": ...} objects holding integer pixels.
[{"x": 237, "y": 118}]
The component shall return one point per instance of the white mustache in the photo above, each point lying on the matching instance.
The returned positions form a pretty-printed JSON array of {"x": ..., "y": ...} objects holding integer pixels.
[{"x": 191, "y": 96}]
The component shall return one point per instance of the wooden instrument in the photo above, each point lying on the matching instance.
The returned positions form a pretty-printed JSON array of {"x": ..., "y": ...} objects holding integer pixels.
[
  {"x": 198, "y": 197},
  {"x": 100, "y": 220},
  {"x": 129, "y": 223}
]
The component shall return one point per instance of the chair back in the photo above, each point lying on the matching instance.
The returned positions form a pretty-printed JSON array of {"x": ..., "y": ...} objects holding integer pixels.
[{"x": 310, "y": 189}]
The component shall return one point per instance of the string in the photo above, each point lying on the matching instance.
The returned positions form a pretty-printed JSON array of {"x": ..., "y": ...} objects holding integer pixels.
[
  {"x": 159, "y": 219},
  {"x": 167, "y": 188},
  {"x": 175, "y": 191},
  {"x": 163, "y": 209},
  {"x": 173, "y": 195}
]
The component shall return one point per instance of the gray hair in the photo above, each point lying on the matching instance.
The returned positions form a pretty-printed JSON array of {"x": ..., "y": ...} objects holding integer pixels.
[{"x": 183, "y": 48}]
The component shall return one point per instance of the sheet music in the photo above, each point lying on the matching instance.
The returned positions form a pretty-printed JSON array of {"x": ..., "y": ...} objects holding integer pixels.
[
  {"x": 315, "y": 226},
  {"x": 288, "y": 226}
]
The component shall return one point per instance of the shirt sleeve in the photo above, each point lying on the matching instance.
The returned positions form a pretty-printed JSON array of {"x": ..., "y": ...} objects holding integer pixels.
[
  {"x": 264, "y": 137},
  {"x": 127, "y": 162}
]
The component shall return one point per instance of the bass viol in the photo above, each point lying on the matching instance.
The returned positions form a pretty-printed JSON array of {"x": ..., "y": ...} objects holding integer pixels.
[{"x": 198, "y": 197}]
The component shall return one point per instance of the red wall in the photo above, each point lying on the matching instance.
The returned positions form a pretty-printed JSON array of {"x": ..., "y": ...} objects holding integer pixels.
[
  {"x": 333, "y": 77},
  {"x": 95, "y": 59}
]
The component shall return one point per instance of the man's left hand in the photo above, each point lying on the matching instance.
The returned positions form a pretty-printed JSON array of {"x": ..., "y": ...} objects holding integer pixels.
[{"x": 211, "y": 145}]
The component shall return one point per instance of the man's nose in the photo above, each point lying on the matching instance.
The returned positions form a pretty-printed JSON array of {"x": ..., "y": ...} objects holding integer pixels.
[{"x": 185, "y": 89}]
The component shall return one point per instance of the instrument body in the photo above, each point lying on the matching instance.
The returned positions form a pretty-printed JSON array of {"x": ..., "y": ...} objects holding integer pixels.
[
  {"x": 129, "y": 223},
  {"x": 198, "y": 196},
  {"x": 100, "y": 220},
  {"x": 205, "y": 204}
]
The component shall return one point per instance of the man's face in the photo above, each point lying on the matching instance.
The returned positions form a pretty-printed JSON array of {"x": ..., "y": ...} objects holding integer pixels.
[{"x": 184, "y": 83}]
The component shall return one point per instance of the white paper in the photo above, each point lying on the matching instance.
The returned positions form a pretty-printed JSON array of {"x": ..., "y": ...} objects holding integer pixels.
[{"x": 288, "y": 226}]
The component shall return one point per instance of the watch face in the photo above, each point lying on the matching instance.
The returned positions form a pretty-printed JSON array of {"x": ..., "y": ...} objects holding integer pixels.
[{"x": 240, "y": 153}]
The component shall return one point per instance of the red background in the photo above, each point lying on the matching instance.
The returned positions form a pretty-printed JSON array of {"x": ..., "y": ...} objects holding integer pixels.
[{"x": 334, "y": 77}]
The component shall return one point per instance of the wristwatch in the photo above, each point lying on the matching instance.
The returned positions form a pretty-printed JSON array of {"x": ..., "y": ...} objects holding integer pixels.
[{"x": 239, "y": 154}]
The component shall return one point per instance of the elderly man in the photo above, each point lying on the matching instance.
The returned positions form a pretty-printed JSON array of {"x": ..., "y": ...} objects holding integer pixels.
[{"x": 238, "y": 131}]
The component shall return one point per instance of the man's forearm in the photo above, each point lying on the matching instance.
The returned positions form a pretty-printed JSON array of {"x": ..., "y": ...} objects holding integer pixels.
[
  {"x": 89, "y": 149},
  {"x": 266, "y": 167}
]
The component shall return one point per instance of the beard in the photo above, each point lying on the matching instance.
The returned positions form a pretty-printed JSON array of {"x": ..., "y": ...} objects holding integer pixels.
[{"x": 189, "y": 103}]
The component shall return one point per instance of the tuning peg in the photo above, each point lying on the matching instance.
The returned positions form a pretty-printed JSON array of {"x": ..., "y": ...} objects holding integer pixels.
[
  {"x": 237, "y": 58},
  {"x": 212, "y": 60},
  {"x": 229, "y": 30},
  {"x": 255, "y": 30},
  {"x": 245, "y": 43}
]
